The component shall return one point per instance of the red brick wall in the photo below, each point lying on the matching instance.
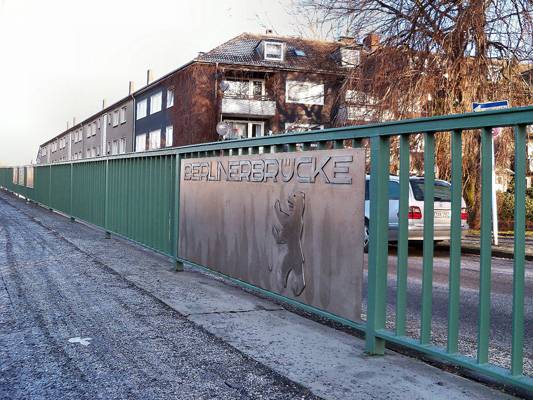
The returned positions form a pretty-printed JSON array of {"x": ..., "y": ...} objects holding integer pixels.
[{"x": 194, "y": 115}]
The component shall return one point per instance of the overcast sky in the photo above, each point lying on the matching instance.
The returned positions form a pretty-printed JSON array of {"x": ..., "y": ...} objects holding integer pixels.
[{"x": 60, "y": 58}]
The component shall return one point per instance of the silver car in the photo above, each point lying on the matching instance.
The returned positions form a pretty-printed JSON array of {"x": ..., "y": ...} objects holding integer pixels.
[{"x": 442, "y": 209}]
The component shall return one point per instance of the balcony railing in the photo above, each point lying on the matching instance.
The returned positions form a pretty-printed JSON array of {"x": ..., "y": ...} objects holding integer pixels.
[{"x": 260, "y": 106}]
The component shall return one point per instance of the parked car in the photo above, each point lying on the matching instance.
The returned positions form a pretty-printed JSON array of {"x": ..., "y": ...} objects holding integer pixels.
[{"x": 442, "y": 209}]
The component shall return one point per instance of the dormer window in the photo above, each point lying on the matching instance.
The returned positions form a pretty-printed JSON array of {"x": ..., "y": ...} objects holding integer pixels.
[
  {"x": 349, "y": 57},
  {"x": 273, "y": 51}
]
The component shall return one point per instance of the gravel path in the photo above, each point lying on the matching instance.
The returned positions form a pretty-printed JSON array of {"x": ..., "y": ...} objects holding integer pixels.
[{"x": 72, "y": 328}]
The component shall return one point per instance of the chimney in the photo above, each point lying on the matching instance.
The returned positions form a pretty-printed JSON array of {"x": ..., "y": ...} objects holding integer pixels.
[
  {"x": 104, "y": 104},
  {"x": 371, "y": 41},
  {"x": 68, "y": 126},
  {"x": 73, "y": 121},
  {"x": 149, "y": 76},
  {"x": 269, "y": 32},
  {"x": 131, "y": 88}
]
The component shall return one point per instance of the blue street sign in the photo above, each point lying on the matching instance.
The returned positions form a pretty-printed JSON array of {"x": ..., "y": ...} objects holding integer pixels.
[{"x": 492, "y": 105}]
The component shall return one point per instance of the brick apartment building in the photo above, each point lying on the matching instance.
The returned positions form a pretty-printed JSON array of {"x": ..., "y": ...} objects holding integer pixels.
[{"x": 257, "y": 84}]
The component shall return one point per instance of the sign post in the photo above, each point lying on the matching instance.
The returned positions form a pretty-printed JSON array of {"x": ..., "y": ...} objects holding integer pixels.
[{"x": 491, "y": 106}]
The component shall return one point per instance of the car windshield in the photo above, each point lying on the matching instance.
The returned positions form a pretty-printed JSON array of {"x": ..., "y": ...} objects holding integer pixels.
[{"x": 442, "y": 190}]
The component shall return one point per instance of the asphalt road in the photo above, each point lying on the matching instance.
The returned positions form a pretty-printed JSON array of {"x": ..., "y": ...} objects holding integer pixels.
[
  {"x": 501, "y": 303},
  {"x": 72, "y": 328}
]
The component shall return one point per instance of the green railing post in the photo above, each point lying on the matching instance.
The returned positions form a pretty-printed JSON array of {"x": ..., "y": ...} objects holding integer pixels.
[
  {"x": 106, "y": 202},
  {"x": 50, "y": 186},
  {"x": 517, "y": 342},
  {"x": 403, "y": 233},
  {"x": 429, "y": 229},
  {"x": 485, "y": 244},
  {"x": 176, "y": 213},
  {"x": 454, "y": 277},
  {"x": 71, "y": 191},
  {"x": 378, "y": 243}
]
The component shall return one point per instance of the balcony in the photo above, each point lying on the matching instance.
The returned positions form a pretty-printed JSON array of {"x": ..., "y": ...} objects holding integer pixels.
[{"x": 257, "y": 106}]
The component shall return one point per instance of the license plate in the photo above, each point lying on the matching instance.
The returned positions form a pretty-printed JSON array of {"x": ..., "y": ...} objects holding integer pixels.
[{"x": 443, "y": 214}]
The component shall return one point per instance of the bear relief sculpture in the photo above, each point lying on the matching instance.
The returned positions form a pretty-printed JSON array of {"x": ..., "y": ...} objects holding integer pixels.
[{"x": 288, "y": 233}]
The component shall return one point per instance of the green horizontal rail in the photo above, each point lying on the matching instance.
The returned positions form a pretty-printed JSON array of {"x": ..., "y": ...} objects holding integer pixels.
[{"x": 136, "y": 196}]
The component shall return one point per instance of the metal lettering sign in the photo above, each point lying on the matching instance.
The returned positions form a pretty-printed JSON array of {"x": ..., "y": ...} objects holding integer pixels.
[{"x": 291, "y": 223}]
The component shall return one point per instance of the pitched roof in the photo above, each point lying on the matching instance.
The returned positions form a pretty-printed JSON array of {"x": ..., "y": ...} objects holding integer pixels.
[{"x": 245, "y": 50}]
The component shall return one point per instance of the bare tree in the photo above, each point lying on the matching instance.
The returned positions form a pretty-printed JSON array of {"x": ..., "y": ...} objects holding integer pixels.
[{"x": 437, "y": 57}]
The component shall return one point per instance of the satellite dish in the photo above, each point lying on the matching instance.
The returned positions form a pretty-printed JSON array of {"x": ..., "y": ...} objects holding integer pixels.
[
  {"x": 224, "y": 85},
  {"x": 223, "y": 129}
]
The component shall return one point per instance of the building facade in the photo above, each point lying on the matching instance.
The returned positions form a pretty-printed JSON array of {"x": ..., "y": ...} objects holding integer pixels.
[
  {"x": 108, "y": 132},
  {"x": 252, "y": 85}
]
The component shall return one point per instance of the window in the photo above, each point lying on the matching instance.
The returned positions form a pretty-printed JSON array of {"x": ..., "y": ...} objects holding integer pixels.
[
  {"x": 245, "y": 88},
  {"x": 155, "y": 102},
  {"x": 170, "y": 97},
  {"x": 141, "y": 109},
  {"x": 115, "y": 118},
  {"x": 88, "y": 130},
  {"x": 123, "y": 115},
  {"x": 301, "y": 127},
  {"x": 122, "y": 146},
  {"x": 169, "y": 133},
  {"x": 114, "y": 148},
  {"x": 305, "y": 92},
  {"x": 274, "y": 51},
  {"x": 88, "y": 153},
  {"x": 93, "y": 129},
  {"x": 494, "y": 73},
  {"x": 98, "y": 123},
  {"x": 394, "y": 190},
  {"x": 349, "y": 57},
  {"x": 140, "y": 142},
  {"x": 299, "y": 53},
  {"x": 441, "y": 192},
  {"x": 155, "y": 139},
  {"x": 15, "y": 175},
  {"x": 246, "y": 129},
  {"x": 358, "y": 106}
]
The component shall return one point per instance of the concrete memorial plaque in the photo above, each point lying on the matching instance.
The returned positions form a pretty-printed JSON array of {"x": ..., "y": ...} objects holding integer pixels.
[{"x": 291, "y": 223}]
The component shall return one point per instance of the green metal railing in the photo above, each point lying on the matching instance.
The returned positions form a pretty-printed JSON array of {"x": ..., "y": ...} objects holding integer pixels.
[{"x": 137, "y": 196}]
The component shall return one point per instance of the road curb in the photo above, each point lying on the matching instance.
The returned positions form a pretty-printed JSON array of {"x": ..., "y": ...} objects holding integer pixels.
[{"x": 495, "y": 252}]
